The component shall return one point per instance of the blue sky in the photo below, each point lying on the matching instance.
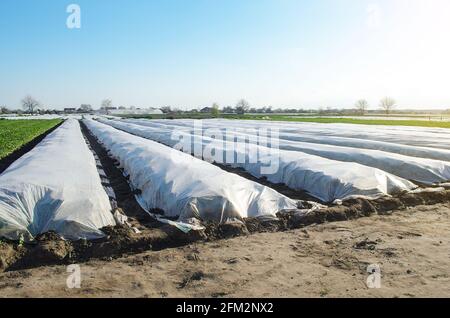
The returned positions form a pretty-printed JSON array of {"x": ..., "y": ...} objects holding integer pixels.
[{"x": 191, "y": 53}]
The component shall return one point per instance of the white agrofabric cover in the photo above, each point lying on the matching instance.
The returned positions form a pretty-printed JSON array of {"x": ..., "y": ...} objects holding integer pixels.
[
  {"x": 183, "y": 186},
  {"x": 407, "y": 150},
  {"x": 418, "y": 137},
  {"x": 421, "y": 170},
  {"x": 54, "y": 187},
  {"x": 325, "y": 179},
  {"x": 305, "y": 135},
  {"x": 413, "y": 136}
]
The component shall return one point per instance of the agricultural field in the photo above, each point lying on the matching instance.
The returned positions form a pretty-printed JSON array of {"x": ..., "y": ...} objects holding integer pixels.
[
  {"x": 120, "y": 191},
  {"x": 417, "y": 122},
  {"x": 16, "y": 133},
  {"x": 393, "y": 120}
]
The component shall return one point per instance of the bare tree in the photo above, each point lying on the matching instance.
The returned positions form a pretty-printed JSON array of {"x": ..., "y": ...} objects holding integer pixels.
[
  {"x": 215, "y": 110},
  {"x": 85, "y": 108},
  {"x": 106, "y": 103},
  {"x": 242, "y": 107},
  {"x": 166, "y": 109},
  {"x": 4, "y": 110},
  {"x": 387, "y": 104},
  {"x": 29, "y": 104},
  {"x": 361, "y": 106}
]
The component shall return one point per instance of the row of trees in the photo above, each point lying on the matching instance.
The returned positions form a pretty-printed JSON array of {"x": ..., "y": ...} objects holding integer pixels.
[
  {"x": 387, "y": 104},
  {"x": 242, "y": 107},
  {"x": 30, "y": 105}
]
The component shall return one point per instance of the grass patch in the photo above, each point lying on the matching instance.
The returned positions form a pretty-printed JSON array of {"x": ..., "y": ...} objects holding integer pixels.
[
  {"x": 417, "y": 123},
  {"x": 16, "y": 133}
]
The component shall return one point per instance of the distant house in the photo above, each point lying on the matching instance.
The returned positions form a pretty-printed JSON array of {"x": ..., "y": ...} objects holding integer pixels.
[
  {"x": 206, "y": 110},
  {"x": 70, "y": 110},
  {"x": 135, "y": 111}
]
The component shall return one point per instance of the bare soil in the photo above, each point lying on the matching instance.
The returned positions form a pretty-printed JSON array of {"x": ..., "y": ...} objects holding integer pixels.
[
  {"x": 323, "y": 253},
  {"x": 320, "y": 260}
]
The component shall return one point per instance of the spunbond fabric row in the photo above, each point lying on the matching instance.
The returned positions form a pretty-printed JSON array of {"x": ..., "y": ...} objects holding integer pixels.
[
  {"x": 423, "y": 137},
  {"x": 433, "y": 143},
  {"x": 54, "y": 187},
  {"x": 421, "y": 170},
  {"x": 183, "y": 186},
  {"x": 325, "y": 179}
]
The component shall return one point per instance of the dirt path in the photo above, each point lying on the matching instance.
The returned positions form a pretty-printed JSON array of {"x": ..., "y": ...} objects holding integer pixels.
[{"x": 412, "y": 248}]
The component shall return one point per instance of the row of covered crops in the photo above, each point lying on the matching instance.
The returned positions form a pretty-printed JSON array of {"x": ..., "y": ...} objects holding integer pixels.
[
  {"x": 56, "y": 186},
  {"x": 319, "y": 166}
]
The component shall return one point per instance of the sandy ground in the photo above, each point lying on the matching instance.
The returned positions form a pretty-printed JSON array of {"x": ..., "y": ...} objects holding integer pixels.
[{"x": 412, "y": 248}]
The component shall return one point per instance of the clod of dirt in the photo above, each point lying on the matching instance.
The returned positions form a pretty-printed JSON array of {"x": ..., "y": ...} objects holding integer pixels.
[
  {"x": 232, "y": 229},
  {"x": 175, "y": 237},
  {"x": 18, "y": 274},
  {"x": 386, "y": 205},
  {"x": 231, "y": 261},
  {"x": 363, "y": 206},
  {"x": 214, "y": 231},
  {"x": 194, "y": 277},
  {"x": 435, "y": 197},
  {"x": 119, "y": 239},
  {"x": 194, "y": 257},
  {"x": 45, "y": 252},
  {"x": 8, "y": 255},
  {"x": 365, "y": 245},
  {"x": 342, "y": 263},
  {"x": 52, "y": 251},
  {"x": 119, "y": 231},
  {"x": 412, "y": 199},
  {"x": 48, "y": 236},
  {"x": 266, "y": 224},
  {"x": 348, "y": 210},
  {"x": 389, "y": 252}
]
